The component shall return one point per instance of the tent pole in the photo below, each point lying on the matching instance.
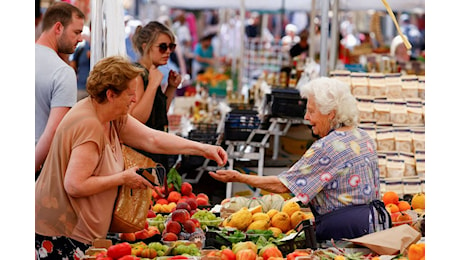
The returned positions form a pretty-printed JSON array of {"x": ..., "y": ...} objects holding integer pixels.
[
  {"x": 334, "y": 35},
  {"x": 311, "y": 29},
  {"x": 243, "y": 35},
  {"x": 324, "y": 36}
]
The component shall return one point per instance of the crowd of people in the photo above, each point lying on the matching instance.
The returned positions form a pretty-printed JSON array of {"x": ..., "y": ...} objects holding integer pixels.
[{"x": 79, "y": 137}]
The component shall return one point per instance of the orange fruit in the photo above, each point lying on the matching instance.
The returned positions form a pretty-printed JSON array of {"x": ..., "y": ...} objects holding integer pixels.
[
  {"x": 404, "y": 218},
  {"x": 403, "y": 205},
  {"x": 390, "y": 197},
  {"x": 392, "y": 208}
]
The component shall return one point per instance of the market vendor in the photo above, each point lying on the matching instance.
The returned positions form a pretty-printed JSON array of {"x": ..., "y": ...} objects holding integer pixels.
[
  {"x": 338, "y": 175},
  {"x": 76, "y": 191}
]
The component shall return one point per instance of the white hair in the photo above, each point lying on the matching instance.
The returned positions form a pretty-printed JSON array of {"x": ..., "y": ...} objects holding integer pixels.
[
  {"x": 398, "y": 40},
  {"x": 332, "y": 94}
]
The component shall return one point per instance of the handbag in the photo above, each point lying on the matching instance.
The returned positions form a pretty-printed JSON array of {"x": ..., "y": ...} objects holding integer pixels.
[{"x": 132, "y": 205}]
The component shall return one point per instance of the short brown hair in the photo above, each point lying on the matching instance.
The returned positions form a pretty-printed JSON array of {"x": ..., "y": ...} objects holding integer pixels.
[
  {"x": 60, "y": 12},
  {"x": 113, "y": 73}
]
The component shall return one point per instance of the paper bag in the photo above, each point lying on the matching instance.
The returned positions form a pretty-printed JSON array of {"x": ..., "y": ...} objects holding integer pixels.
[{"x": 390, "y": 241}]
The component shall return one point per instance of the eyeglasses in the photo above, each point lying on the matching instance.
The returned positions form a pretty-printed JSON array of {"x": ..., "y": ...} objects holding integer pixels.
[{"x": 164, "y": 47}]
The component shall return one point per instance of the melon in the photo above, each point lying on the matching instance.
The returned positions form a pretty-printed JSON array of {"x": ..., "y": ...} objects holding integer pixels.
[{"x": 257, "y": 201}]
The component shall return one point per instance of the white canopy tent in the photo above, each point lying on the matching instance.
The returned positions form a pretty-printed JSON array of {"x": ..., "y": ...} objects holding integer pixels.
[
  {"x": 304, "y": 5},
  {"x": 294, "y": 5},
  {"x": 108, "y": 40}
]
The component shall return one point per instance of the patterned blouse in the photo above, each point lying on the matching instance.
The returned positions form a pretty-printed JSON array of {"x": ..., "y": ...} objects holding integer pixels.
[{"x": 338, "y": 170}]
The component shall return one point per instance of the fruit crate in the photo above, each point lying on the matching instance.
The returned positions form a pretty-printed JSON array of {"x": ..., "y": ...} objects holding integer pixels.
[
  {"x": 240, "y": 123},
  {"x": 287, "y": 103},
  {"x": 215, "y": 240},
  {"x": 294, "y": 242}
]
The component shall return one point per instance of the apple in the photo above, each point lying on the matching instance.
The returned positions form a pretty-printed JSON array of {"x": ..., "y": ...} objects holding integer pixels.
[{"x": 180, "y": 215}]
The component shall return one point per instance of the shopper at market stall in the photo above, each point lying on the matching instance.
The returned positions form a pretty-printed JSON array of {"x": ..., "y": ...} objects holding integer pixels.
[
  {"x": 204, "y": 55},
  {"x": 77, "y": 188},
  {"x": 302, "y": 47},
  {"x": 154, "y": 42},
  {"x": 338, "y": 175},
  {"x": 55, "y": 80}
]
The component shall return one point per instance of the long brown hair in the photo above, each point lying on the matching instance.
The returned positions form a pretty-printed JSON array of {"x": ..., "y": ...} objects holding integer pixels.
[{"x": 149, "y": 34}]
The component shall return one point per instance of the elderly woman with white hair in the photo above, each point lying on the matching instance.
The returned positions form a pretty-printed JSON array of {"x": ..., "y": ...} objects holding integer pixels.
[{"x": 338, "y": 175}]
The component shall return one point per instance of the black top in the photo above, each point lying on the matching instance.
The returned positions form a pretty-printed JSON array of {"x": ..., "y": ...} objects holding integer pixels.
[
  {"x": 297, "y": 49},
  {"x": 158, "y": 118}
]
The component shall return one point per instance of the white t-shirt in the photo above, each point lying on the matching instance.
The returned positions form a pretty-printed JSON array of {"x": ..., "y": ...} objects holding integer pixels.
[{"x": 55, "y": 86}]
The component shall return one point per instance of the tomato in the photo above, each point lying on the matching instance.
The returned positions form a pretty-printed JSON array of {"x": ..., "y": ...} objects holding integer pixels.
[
  {"x": 293, "y": 255},
  {"x": 119, "y": 250},
  {"x": 227, "y": 254},
  {"x": 129, "y": 257},
  {"x": 272, "y": 252},
  {"x": 103, "y": 256},
  {"x": 246, "y": 254}
]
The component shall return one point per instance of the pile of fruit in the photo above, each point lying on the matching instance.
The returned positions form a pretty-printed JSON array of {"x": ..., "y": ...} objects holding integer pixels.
[
  {"x": 278, "y": 221},
  {"x": 405, "y": 212},
  {"x": 211, "y": 77}
]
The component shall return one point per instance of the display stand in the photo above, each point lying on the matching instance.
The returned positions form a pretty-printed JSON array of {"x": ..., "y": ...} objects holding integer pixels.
[
  {"x": 277, "y": 132},
  {"x": 250, "y": 150}
]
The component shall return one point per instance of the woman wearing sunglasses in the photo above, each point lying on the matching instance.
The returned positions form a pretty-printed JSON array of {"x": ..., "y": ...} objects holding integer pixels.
[{"x": 154, "y": 42}]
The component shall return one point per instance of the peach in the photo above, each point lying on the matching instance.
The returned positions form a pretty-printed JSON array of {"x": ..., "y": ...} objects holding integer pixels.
[
  {"x": 180, "y": 215},
  {"x": 183, "y": 205},
  {"x": 192, "y": 202},
  {"x": 186, "y": 188},
  {"x": 170, "y": 237},
  {"x": 173, "y": 227},
  {"x": 174, "y": 196},
  {"x": 189, "y": 226}
]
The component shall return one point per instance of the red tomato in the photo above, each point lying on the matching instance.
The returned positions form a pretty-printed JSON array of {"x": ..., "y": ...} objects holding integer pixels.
[
  {"x": 103, "y": 256},
  {"x": 119, "y": 250},
  {"x": 246, "y": 254},
  {"x": 227, "y": 254},
  {"x": 272, "y": 252},
  {"x": 293, "y": 255},
  {"x": 129, "y": 257}
]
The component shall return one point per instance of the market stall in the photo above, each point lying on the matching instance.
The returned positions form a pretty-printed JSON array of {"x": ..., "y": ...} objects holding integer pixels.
[{"x": 181, "y": 224}]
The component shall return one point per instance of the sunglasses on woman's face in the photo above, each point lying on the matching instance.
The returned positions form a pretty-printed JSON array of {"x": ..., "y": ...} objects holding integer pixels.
[{"x": 164, "y": 47}]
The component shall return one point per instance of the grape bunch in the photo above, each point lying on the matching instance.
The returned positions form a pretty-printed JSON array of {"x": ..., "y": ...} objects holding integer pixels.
[
  {"x": 186, "y": 250},
  {"x": 158, "y": 221},
  {"x": 207, "y": 218},
  {"x": 159, "y": 247}
]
